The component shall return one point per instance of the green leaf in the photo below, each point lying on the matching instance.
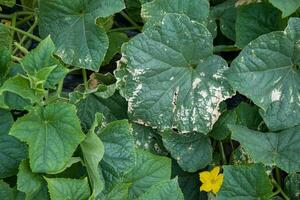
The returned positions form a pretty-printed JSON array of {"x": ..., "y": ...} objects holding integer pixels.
[
  {"x": 79, "y": 41},
  {"x": 116, "y": 39},
  {"x": 176, "y": 81},
  {"x": 39, "y": 60},
  {"x": 113, "y": 108},
  {"x": 245, "y": 183},
  {"x": 279, "y": 149},
  {"x": 192, "y": 151},
  {"x": 5, "y": 35},
  {"x": 119, "y": 146},
  {"x": 165, "y": 190},
  {"x": 292, "y": 186},
  {"x": 154, "y": 11},
  {"x": 12, "y": 152},
  {"x": 287, "y": 7},
  {"x": 271, "y": 58},
  {"x": 49, "y": 131},
  {"x": 28, "y": 182},
  {"x": 21, "y": 87},
  {"x": 4, "y": 63},
  {"x": 93, "y": 151},
  {"x": 6, "y": 192},
  {"x": 9, "y": 3},
  {"x": 119, "y": 192},
  {"x": 149, "y": 170},
  {"x": 254, "y": 20},
  {"x": 226, "y": 14},
  {"x": 248, "y": 115},
  {"x": 6, "y": 121},
  {"x": 68, "y": 189}
]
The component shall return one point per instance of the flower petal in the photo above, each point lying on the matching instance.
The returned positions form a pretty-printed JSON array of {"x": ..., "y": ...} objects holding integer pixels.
[
  {"x": 207, "y": 187},
  {"x": 205, "y": 177},
  {"x": 215, "y": 171},
  {"x": 219, "y": 180}
]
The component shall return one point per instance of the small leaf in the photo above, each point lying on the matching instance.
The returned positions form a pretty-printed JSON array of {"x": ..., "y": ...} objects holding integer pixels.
[
  {"x": 287, "y": 7},
  {"x": 245, "y": 182},
  {"x": 52, "y": 133},
  {"x": 68, "y": 189},
  {"x": 278, "y": 149},
  {"x": 6, "y": 192},
  {"x": 292, "y": 186},
  {"x": 6, "y": 121},
  {"x": 192, "y": 151}
]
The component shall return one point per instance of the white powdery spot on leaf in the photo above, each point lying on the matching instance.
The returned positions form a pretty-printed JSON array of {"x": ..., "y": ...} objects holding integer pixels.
[
  {"x": 135, "y": 93},
  {"x": 196, "y": 82},
  {"x": 276, "y": 95}
]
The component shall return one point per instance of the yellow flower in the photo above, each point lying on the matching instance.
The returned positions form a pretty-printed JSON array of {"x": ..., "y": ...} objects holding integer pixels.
[{"x": 212, "y": 180}]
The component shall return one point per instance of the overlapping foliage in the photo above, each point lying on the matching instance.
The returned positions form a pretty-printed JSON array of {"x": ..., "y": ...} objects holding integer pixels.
[{"x": 166, "y": 89}]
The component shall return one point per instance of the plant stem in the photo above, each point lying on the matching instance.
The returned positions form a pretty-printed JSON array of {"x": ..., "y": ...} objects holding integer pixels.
[
  {"x": 280, "y": 189},
  {"x": 13, "y": 24},
  {"x": 225, "y": 48},
  {"x": 24, "y": 20},
  {"x": 128, "y": 18},
  {"x": 84, "y": 75},
  {"x": 4, "y": 16},
  {"x": 15, "y": 58},
  {"x": 222, "y": 153},
  {"x": 60, "y": 87},
  {"x": 21, "y": 48},
  {"x": 25, "y": 33},
  {"x": 278, "y": 177},
  {"x": 125, "y": 28}
]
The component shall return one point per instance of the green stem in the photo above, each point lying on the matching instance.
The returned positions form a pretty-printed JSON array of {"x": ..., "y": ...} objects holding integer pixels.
[
  {"x": 13, "y": 24},
  {"x": 25, "y": 33},
  {"x": 21, "y": 48},
  {"x": 280, "y": 189},
  {"x": 225, "y": 48},
  {"x": 15, "y": 58},
  {"x": 84, "y": 75},
  {"x": 60, "y": 87},
  {"x": 30, "y": 30},
  {"x": 222, "y": 153},
  {"x": 4, "y": 16},
  {"x": 125, "y": 28},
  {"x": 24, "y": 20},
  {"x": 278, "y": 176},
  {"x": 128, "y": 19}
]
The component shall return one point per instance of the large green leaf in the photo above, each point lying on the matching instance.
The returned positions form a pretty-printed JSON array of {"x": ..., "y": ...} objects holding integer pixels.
[
  {"x": 175, "y": 80},
  {"x": 40, "y": 59},
  {"x": 6, "y": 192},
  {"x": 119, "y": 192},
  {"x": 292, "y": 186},
  {"x": 287, "y": 7},
  {"x": 254, "y": 20},
  {"x": 78, "y": 39},
  {"x": 279, "y": 149},
  {"x": 12, "y": 152},
  {"x": 192, "y": 151},
  {"x": 165, "y": 190},
  {"x": 149, "y": 170},
  {"x": 154, "y": 11},
  {"x": 52, "y": 133},
  {"x": 5, "y": 36},
  {"x": 245, "y": 183},
  {"x": 119, "y": 146},
  {"x": 93, "y": 151},
  {"x": 68, "y": 189},
  {"x": 271, "y": 58}
]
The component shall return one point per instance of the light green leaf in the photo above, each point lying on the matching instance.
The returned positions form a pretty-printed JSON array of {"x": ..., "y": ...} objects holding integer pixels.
[
  {"x": 279, "y": 149},
  {"x": 72, "y": 26},
  {"x": 287, "y": 7},
  {"x": 39, "y": 60},
  {"x": 6, "y": 121},
  {"x": 254, "y": 20},
  {"x": 271, "y": 58},
  {"x": 119, "y": 146},
  {"x": 93, "y": 151},
  {"x": 116, "y": 40},
  {"x": 292, "y": 186},
  {"x": 149, "y": 170},
  {"x": 119, "y": 192},
  {"x": 154, "y": 11},
  {"x": 192, "y": 151},
  {"x": 176, "y": 81},
  {"x": 9, "y": 3},
  {"x": 245, "y": 183},
  {"x": 28, "y": 182},
  {"x": 49, "y": 131},
  {"x": 68, "y": 189},
  {"x": 165, "y": 190},
  {"x": 12, "y": 151}
]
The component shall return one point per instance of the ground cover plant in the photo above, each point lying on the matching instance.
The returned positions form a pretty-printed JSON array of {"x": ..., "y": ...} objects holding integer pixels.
[{"x": 149, "y": 99}]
